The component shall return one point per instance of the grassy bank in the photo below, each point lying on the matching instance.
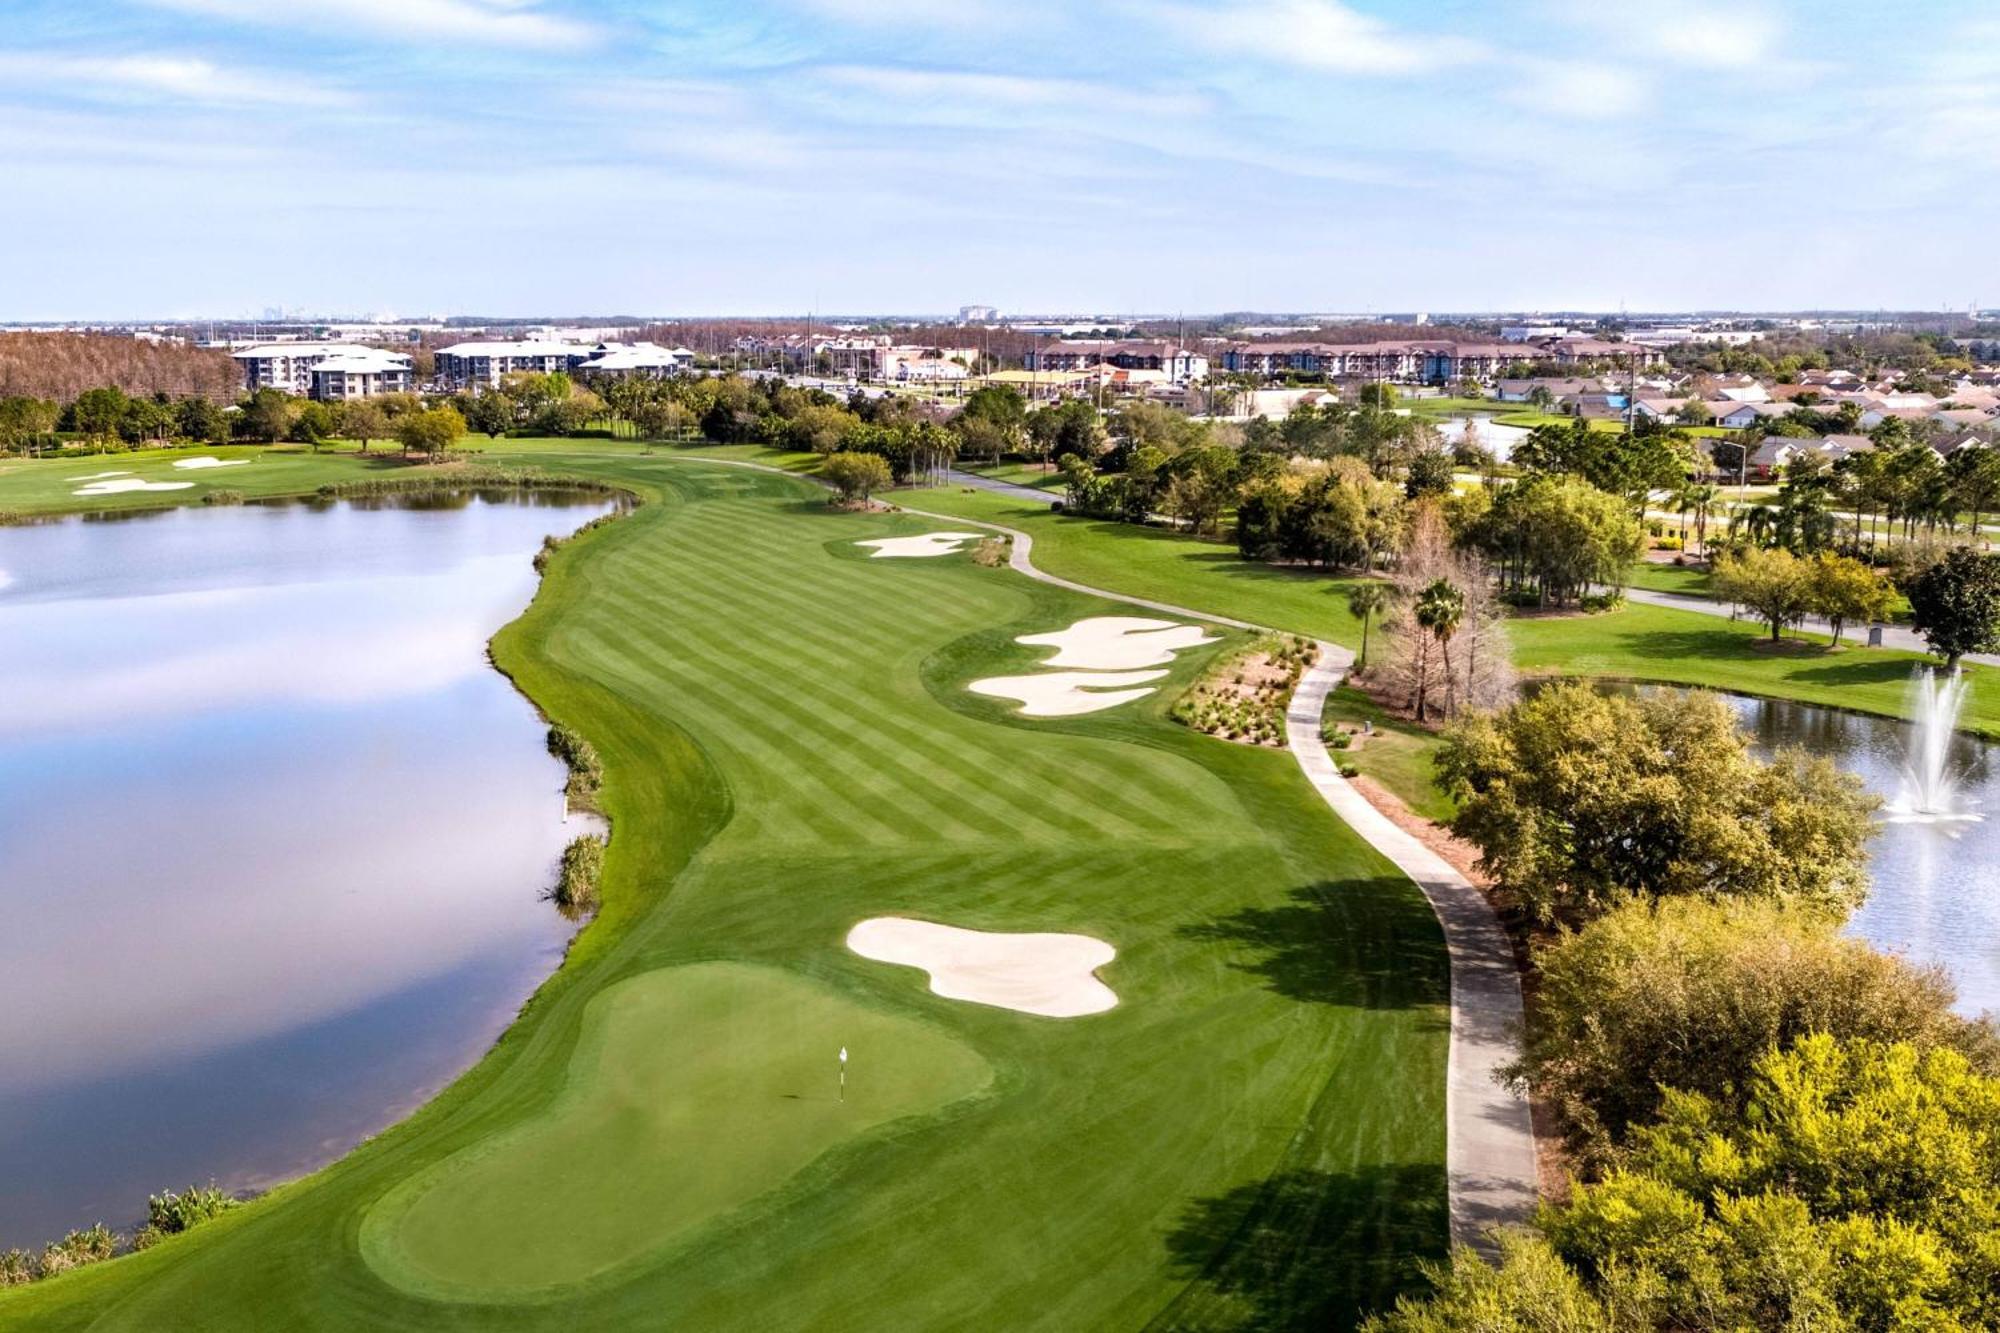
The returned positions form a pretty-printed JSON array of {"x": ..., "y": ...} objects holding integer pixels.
[{"x": 1253, "y": 1137}]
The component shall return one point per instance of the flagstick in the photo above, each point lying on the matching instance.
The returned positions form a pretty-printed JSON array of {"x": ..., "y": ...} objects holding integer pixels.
[{"x": 843, "y": 1073}]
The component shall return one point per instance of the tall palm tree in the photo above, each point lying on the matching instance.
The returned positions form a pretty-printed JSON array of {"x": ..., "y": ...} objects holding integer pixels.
[
  {"x": 1364, "y": 602},
  {"x": 1701, "y": 498},
  {"x": 1439, "y": 609}
]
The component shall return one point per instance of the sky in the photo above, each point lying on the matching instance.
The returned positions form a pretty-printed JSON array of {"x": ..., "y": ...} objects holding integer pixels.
[{"x": 188, "y": 158}]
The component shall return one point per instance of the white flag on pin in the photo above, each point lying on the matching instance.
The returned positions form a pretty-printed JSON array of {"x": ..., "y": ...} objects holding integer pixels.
[{"x": 843, "y": 1055}]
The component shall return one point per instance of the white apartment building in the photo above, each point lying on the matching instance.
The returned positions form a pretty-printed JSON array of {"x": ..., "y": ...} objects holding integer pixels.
[
  {"x": 362, "y": 372},
  {"x": 285, "y": 366},
  {"x": 642, "y": 360},
  {"x": 294, "y": 368},
  {"x": 464, "y": 365}
]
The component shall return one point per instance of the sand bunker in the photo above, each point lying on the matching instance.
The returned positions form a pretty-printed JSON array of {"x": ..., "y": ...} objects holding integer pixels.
[
  {"x": 931, "y": 543},
  {"x": 98, "y": 476},
  {"x": 1118, "y": 643},
  {"x": 1067, "y": 693},
  {"x": 130, "y": 484},
  {"x": 210, "y": 462},
  {"x": 1049, "y": 975}
]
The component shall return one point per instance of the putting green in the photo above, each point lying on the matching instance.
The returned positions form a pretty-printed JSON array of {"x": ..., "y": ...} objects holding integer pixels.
[{"x": 693, "y": 1090}]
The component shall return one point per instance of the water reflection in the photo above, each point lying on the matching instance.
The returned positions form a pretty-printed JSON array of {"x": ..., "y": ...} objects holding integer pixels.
[{"x": 271, "y": 837}]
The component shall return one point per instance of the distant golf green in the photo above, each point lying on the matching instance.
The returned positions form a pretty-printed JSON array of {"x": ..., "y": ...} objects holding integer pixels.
[{"x": 1252, "y": 1138}]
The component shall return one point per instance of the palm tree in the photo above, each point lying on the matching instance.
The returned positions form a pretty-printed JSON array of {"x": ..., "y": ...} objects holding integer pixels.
[
  {"x": 1439, "y": 609},
  {"x": 1701, "y": 498},
  {"x": 1365, "y": 601}
]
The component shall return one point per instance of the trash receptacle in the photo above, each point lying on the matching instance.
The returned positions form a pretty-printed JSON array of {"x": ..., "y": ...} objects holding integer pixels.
[{"x": 1874, "y": 636}]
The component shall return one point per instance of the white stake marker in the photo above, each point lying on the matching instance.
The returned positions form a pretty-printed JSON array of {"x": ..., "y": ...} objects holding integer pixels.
[{"x": 843, "y": 1073}]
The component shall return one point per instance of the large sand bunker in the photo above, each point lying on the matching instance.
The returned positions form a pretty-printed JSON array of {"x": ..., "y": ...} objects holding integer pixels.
[
  {"x": 1050, "y": 975},
  {"x": 1118, "y": 643},
  {"x": 124, "y": 484},
  {"x": 931, "y": 543},
  {"x": 1067, "y": 693},
  {"x": 192, "y": 463}
]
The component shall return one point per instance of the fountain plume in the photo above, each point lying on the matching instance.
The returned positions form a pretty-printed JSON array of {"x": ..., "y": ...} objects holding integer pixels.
[{"x": 1930, "y": 791}]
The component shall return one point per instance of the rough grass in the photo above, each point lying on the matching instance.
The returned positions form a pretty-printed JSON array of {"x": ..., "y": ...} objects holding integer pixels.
[{"x": 1254, "y": 1137}]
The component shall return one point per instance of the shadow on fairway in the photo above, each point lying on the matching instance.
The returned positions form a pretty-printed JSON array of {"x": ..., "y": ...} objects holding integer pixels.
[
  {"x": 1362, "y": 943},
  {"x": 1305, "y": 1249}
]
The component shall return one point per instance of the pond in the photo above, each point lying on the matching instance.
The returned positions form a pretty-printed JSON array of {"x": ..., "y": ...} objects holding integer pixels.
[
  {"x": 1936, "y": 894},
  {"x": 273, "y": 835}
]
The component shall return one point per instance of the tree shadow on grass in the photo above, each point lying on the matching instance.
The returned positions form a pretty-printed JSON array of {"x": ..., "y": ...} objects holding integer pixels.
[
  {"x": 1363, "y": 943},
  {"x": 1306, "y": 1249}
]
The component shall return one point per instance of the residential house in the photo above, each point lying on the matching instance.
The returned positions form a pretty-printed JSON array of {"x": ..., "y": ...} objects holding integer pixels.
[{"x": 1735, "y": 416}]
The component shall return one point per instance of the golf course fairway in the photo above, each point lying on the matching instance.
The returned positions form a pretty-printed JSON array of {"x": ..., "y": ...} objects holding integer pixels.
[{"x": 1252, "y": 1138}]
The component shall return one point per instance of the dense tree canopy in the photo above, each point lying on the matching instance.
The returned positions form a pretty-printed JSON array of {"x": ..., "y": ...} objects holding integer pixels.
[
  {"x": 1578, "y": 799},
  {"x": 1955, "y": 604}
]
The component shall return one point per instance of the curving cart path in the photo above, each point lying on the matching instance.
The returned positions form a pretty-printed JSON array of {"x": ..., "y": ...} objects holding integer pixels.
[{"x": 1489, "y": 1138}]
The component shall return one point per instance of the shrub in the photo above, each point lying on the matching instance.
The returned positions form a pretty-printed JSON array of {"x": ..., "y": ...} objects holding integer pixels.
[
  {"x": 223, "y": 498},
  {"x": 89, "y": 1246},
  {"x": 586, "y": 771},
  {"x": 991, "y": 553},
  {"x": 169, "y": 1214},
  {"x": 1349, "y": 771},
  {"x": 578, "y": 875},
  {"x": 17, "y": 1268},
  {"x": 1691, "y": 994}
]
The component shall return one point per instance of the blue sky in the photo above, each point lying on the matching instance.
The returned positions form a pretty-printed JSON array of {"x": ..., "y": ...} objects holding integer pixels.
[{"x": 190, "y": 157}]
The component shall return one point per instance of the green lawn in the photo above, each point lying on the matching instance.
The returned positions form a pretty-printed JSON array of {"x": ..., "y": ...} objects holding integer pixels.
[
  {"x": 1252, "y": 1138},
  {"x": 1198, "y": 573},
  {"x": 1691, "y": 648},
  {"x": 1398, "y": 755},
  {"x": 1689, "y": 580},
  {"x": 38, "y": 486}
]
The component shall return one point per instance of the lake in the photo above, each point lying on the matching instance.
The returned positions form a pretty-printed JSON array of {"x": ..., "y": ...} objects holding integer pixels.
[
  {"x": 1936, "y": 894},
  {"x": 273, "y": 835}
]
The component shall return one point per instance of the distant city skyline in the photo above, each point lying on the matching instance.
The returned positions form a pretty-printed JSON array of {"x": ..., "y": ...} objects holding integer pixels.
[{"x": 211, "y": 158}]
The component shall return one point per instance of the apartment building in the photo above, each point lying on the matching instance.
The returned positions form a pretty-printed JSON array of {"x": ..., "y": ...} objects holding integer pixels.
[
  {"x": 352, "y": 371},
  {"x": 484, "y": 364},
  {"x": 361, "y": 372},
  {"x": 642, "y": 360},
  {"x": 285, "y": 366},
  {"x": 1177, "y": 363},
  {"x": 1425, "y": 361}
]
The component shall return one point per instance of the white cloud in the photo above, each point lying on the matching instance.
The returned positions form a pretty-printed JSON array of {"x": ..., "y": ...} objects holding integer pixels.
[
  {"x": 1581, "y": 90},
  {"x": 910, "y": 13},
  {"x": 946, "y": 89},
  {"x": 1313, "y": 34},
  {"x": 519, "y": 23},
  {"x": 1693, "y": 33},
  {"x": 153, "y": 76}
]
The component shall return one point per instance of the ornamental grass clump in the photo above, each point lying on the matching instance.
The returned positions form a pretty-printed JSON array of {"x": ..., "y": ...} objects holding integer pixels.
[
  {"x": 586, "y": 770},
  {"x": 578, "y": 875},
  {"x": 169, "y": 1214}
]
